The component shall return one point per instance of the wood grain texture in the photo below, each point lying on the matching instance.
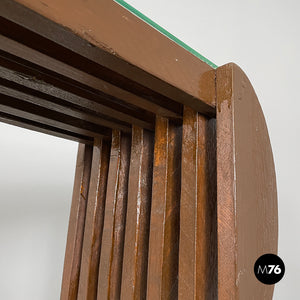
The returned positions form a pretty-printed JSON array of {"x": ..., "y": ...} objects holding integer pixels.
[
  {"x": 247, "y": 199},
  {"x": 111, "y": 258},
  {"x": 198, "y": 208},
  {"x": 164, "y": 222},
  {"x": 76, "y": 224},
  {"x": 94, "y": 222},
  {"x": 134, "y": 277}
]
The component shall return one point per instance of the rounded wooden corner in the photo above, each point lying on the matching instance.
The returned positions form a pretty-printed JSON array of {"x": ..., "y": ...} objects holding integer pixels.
[{"x": 247, "y": 197}]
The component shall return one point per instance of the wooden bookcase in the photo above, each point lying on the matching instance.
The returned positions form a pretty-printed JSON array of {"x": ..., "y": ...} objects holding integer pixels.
[{"x": 174, "y": 194}]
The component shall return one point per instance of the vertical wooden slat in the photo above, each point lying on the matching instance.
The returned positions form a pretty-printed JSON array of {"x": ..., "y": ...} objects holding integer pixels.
[
  {"x": 110, "y": 270},
  {"x": 94, "y": 222},
  {"x": 198, "y": 222},
  {"x": 76, "y": 224},
  {"x": 210, "y": 214},
  {"x": 164, "y": 224},
  {"x": 134, "y": 278}
]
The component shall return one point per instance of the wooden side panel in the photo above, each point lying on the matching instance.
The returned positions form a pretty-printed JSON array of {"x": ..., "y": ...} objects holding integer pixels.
[
  {"x": 94, "y": 221},
  {"x": 111, "y": 258},
  {"x": 247, "y": 199},
  {"x": 134, "y": 278},
  {"x": 198, "y": 229},
  {"x": 164, "y": 224},
  {"x": 76, "y": 224}
]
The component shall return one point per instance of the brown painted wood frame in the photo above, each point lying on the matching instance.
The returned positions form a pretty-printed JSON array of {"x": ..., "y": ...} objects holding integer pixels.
[{"x": 174, "y": 194}]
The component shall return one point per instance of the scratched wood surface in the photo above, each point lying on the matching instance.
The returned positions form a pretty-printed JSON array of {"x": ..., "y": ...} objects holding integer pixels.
[
  {"x": 94, "y": 220},
  {"x": 247, "y": 200},
  {"x": 198, "y": 218},
  {"x": 111, "y": 258},
  {"x": 135, "y": 261},
  {"x": 164, "y": 223}
]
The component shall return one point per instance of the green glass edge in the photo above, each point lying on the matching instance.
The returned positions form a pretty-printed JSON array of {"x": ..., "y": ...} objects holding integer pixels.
[{"x": 165, "y": 32}]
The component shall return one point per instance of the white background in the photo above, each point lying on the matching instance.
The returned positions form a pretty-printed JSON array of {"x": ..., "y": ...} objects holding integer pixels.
[
  {"x": 36, "y": 171},
  {"x": 36, "y": 181}
]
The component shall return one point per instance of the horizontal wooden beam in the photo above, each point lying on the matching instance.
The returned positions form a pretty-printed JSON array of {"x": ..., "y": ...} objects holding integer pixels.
[
  {"x": 33, "y": 112},
  {"x": 55, "y": 105},
  {"x": 129, "y": 53},
  {"x": 48, "y": 87},
  {"x": 43, "y": 128},
  {"x": 54, "y": 67}
]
